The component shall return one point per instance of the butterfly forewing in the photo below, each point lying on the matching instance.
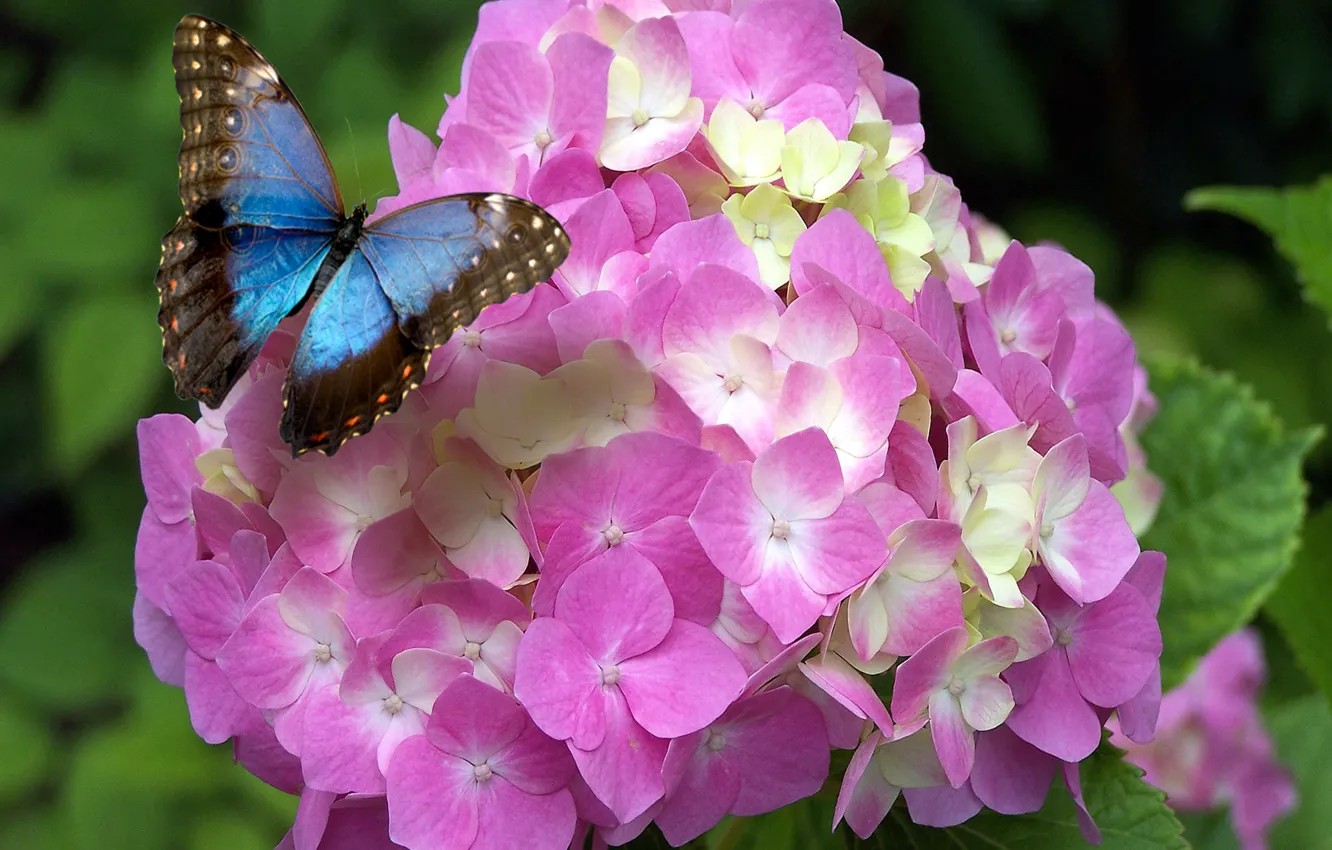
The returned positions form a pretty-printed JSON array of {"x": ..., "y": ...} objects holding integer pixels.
[
  {"x": 261, "y": 206},
  {"x": 441, "y": 262}
]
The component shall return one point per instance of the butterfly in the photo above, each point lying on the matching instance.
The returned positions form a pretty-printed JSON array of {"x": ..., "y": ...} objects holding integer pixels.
[{"x": 264, "y": 232}]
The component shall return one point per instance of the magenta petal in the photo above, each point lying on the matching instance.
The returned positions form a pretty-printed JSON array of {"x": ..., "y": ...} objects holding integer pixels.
[
  {"x": 1011, "y": 776},
  {"x": 511, "y": 817},
  {"x": 952, "y": 737},
  {"x": 216, "y": 711},
  {"x": 1092, "y": 549},
  {"x": 777, "y": 741},
  {"x": 708, "y": 240},
  {"x": 941, "y": 806},
  {"x": 535, "y": 763},
  {"x": 695, "y": 584},
  {"x": 927, "y": 671},
  {"x": 394, "y": 551},
  {"x": 206, "y": 604},
  {"x": 865, "y": 796},
  {"x": 701, "y": 789},
  {"x": 782, "y": 597},
  {"x": 1054, "y": 717},
  {"x": 668, "y": 475},
  {"x": 168, "y": 444},
  {"x": 1138, "y": 716},
  {"x": 510, "y": 87},
  {"x": 839, "y": 680},
  {"x": 625, "y": 770},
  {"x": 683, "y": 684},
  {"x": 597, "y": 315},
  {"x": 411, "y": 150},
  {"x": 161, "y": 552},
  {"x": 156, "y": 633},
  {"x": 1116, "y": 645},
  {"x": 1091, "y": 833},
  {"x": 617, "y": 604},
  {"x": 575, "y": 487},
  {"x": 432, "y": 798},
  {"x": 732, "y": 524},
  {"x": 474, "y": 721},
  {"x": 559, "y": 683},
  {"x": 918, "y": 611}
]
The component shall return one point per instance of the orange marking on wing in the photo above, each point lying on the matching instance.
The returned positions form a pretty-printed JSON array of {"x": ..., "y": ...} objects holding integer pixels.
[
  {"x": 319, "y": 438},
  {"x": 406, "y": 370},
  {"x": 175, "y": 324},
  {"x": 181, "y": 360},
  {"x": 171, "y": 284},
  {"x": 383, "y": 398},
  {"x": 205, "y": 391},
  {"x": 351, "y": 423}
]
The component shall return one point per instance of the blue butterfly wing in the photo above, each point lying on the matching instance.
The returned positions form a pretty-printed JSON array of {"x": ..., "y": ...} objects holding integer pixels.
[
  {"x": 261, "y": 208},
  {"x": 441, "y": 262},
  {"x": 352, "y": 364}
]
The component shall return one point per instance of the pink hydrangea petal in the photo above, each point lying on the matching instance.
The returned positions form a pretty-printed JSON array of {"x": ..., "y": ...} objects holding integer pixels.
[
  {"x": 799, "y": 477},
  {"x": 559, "y": 684},
  {"x": 320, "y": 531},
  {"x": 479, "y": 605},
  {"x": 596, "y": 315},
  {"x": 626, "y": 147},
  {"x": 338, "y": 751},
  {"x": 865, "y": 796},
  {"x": 267, "y": 662},
  {"x": 421, "y": 674},
  {"x": 599, "y": 230},
  {"x": 432, "y": 802},
  {"x": 1011, "y": 776},
  {"x": 216, "y": 521},
  {"x": 845, "y": 684},
  {"x": 579, "y": 64},
  {"x": 732, "y": 524},
  {"x": 682, "y": 684},
  {"x": 206, "y": 602},
  {"x": 668, "y": 477},
  {"x": 711, "y": 239},
  {"x": 161, "y": 551},
  {"x": 986, "y": 702},
  {"x": 624, "y": 771},
  {"x": 780, "y": 45},
  {"x": 838, "y": 244},
  {"x": 510, "y": 88},
  {"x": 617, "y": 604},
  {"x": 575, "y": 487},
  {"x": 511, "y": 817},
  {"x": 1092, "y": 549},
  {"x": 1071, "y": 279},
  {"x": 988, "y": 658},
  {"x": 168, "y": 444},
  {"x": 817, "y": 101},
  {"x": 1116, "y": 645},
  {"x": 919, "y": 611},
  {"x": 701, "y": 789},
  {"x": 496, "y": 553},
  {"x": 565, "y": 181},
  {"x": 780, "y": 595},
  {"x": 156, "y": 633},
  {"x": 713, "y": 69},
  {"x": 714, "y": 305},
  {"x": 935, "y": 367},
  {"x": 974, "y": 395},
  {"x": 474, "y": 721},
  {"x": 941, "y": 806},
  {"x": 258, "y": 751},
  {"x": 1138, "y": 716},
  {"x": 936, "y": 314},
  {"x": 778, "y": 742},
  {"x": 927, "y": 671},
  {"x": 411, "y": 150},
  {"x": 818, "y": 328},
  {"x": 1054, "y": 717},
  {"x": 535, "y": 763},
  {"x": 890, "y": 507},
  {"x": 695, "y": 585},
  {"x": 1090, "y": 832},
  {"x": 217, "y": 712},
  {"x": 835, "y": 553},
  {"x": 953, "y": 739}
]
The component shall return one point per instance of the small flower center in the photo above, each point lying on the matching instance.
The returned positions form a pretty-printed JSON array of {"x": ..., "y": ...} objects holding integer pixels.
[
  {"x": 495, "y": 508},
  {"x": 323, "y": 653},
  {"x": 1047, "y": 530},
  {"x": 641, "y": 117},
  {"x": 543, "y": 139},
  {"x": 481, "y": 772},
  {"x": 1063, "y": 637},
  {"x": 780, "y": 528},
  {"x": 761, "y": 230},
  {"x": 363, "y": 522},
  {"x": 957, "y": 687},
  {"x": 1007, "y": 335},
  {"x": 616, "y": 411},
  {"x": 393, "y": 704},
  {"x": 610, "y": 675},
  {"x": 1070, "y": 404},
  {"x": 613, "y": 535},
  {"x": 472, "y": 339},
  {"x": 716, "y": 741},
  {"x": 733, "y": 383},
  {"x": 756, "y": 108}
]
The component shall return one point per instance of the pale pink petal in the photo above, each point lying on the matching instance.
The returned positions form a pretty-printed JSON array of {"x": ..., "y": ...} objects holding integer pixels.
[
  {"x": 266, "y": 661},
  {"x": 510, "y": 87},
  {"x": 818, "y": 328},
  {"x": 799, "y": 477},
  {"x": 510, "y": 817},
  {"x": 596, "y": 315},
  {"x": 156, "y": 633},
  {"x": 1091, "y": 550},
  {"x": 715, "y": 304},
  {"x": 598, "y": 230},
  {"x": 411, "y": 150},
  {"x": 217, "y": 712},
  {"x": 986, "y": 702},
  {"x": 732, "y": 525},
  {"x": 953, "y": 739},
  {"x": 924, "y": 673},
  {"x": 865, "y": 796},
  {"x": 168, "y": 444},
  {"x": 708, "y": 240},
  {"x": 781, "y": 597},
  {"x": 845, "y": 684},
  {"x": 919, "y": 611},
  {"x": 987, "y": 658},
  {"x": 338, "y": 751},
  {"x": 836, "y": 553}
]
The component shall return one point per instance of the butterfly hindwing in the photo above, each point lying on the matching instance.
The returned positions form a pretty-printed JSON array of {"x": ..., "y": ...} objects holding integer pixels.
[
  {"x": 261, "y": 208},
  {"x": 352, "y": 364},
  {"x": 441, "y": 262}
]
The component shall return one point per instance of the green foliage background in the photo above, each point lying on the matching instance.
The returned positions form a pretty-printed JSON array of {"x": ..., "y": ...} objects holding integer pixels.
[{"x": 1083, "y": 123}]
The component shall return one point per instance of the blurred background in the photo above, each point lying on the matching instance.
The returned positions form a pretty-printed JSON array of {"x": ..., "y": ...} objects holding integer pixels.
[{"x": 1085, "y": 123}]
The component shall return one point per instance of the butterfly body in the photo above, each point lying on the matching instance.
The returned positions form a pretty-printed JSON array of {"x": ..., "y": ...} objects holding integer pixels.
[{"x": 264, "y": 234}]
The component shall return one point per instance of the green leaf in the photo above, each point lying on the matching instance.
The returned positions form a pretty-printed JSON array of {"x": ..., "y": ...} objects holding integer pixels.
[
  {"x": 229, "y": 831},
  {"x": 103, "y": 363},
  {"x": 39, "y": 828},
  {"x": 18, "y": 302},
  {"x": 1302, "y": 732},
  {"x": 1131, "y": 815},
  {"x": 26, "y": 751},
  {"x": 1299, "y": 220},
  {"x": 1298, "y": 605},
  {"x": 65, "y": 632},
  {"x": 1233, "y": 503}
]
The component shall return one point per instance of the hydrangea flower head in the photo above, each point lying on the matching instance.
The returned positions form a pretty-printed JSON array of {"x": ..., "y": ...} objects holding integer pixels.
[{"x": 794, "y": 453}]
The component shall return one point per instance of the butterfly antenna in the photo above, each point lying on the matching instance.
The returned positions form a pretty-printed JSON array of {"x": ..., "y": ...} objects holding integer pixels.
[{"x": 356, "y": 162}]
